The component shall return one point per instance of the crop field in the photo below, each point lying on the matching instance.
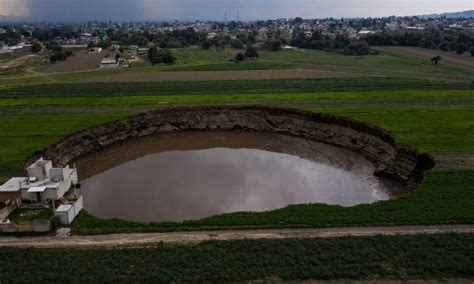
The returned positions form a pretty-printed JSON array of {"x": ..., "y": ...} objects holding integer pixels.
[
  {"x": 191, "y": 61},
  {"x": 426, "y": 257},
  {"x": 80, "y": 61},
  {"x": 430, "y": 107},
  {"x": 464, "y": 61},
  {"x": 437, "y": 117}
]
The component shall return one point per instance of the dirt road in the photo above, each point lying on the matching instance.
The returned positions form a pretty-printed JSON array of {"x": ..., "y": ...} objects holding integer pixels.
[{"x": 196, "y": 237}]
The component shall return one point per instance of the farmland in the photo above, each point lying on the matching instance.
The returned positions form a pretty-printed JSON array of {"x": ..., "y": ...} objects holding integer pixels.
[
  {"x": 432, "y": 116},
  {"x": 426, "y": 257},
  {"x": 429, "y": 107},
  {"x": 80, "y": 61},
  {"x": 192, "y": 61}
]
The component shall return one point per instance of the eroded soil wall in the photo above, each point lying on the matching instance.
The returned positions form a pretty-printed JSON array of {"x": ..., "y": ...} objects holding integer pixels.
[{"x": 391, "y": 160}]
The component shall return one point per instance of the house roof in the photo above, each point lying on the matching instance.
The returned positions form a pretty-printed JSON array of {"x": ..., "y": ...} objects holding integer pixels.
[
  {"x": 64, "y": 208},
  {"x": 36, "y": 189},
  {"x": 12, "y": 185}
]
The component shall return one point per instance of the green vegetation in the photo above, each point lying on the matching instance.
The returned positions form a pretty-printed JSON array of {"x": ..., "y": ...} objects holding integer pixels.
[
  {"x": 396, "y": 257},
  {"x": 432, "y": 115},
  {"x": 384, "y": 64},
  {"x": 21, "y": 214},
  {"x": 445, "y": 197},
  {"x": 2, "y": 205},
  {"x": 227, "y": 87}
]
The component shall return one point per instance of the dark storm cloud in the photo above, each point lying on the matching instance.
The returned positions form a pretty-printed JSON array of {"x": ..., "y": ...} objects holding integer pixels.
[{"x": 74, "y": 10}]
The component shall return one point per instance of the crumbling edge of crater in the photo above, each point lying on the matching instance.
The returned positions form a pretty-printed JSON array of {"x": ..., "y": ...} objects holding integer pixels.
[{"x": 391, "y": 160}]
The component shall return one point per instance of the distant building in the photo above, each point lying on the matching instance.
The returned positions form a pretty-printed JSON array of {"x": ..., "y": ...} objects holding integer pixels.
[
  {"x": 109, "y": 63},
  {"x": 95, "y": 50},
  {"x": 143, "y": 51}
]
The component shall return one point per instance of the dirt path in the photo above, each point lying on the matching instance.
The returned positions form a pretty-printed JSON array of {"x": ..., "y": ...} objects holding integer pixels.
[{"x": 196, "y": 237}]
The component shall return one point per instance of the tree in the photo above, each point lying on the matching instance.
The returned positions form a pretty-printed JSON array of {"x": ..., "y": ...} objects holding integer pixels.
[
  {"x": 239, "y": 57},
  {"x": 251, "y": 52},
  {"x": 58, "y": 56},
  {"x": 206, "y": 44},
  {"x": 165, "y": 56},
  {"x": 436, "y": 59},
  {"x": 274, "y": 44},
  {"x": 460, "y": 48},
  {"x": 357, "y": 48},
  {"x": 153, "y": 55},
  {"x": 117, "y": 57},
  {"x": 36, "y": 47},
  {"x": 237, "y": 43},
  {"x": 162, "y": 56},
  {"x": 444, "y": 46}
]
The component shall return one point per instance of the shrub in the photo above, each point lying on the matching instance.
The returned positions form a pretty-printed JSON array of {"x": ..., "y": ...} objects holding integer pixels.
[
  {"x": 251, "y": 52},
  {"x": 357, "y": 48},
  {"x": 237, "y": 43},
  {"x": 239, "y": 57}
]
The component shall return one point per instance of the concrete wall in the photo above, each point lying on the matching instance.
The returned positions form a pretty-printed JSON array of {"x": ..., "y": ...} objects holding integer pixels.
[
  {"x": 5, "y": 212},
  {"x": 30, "y": 226},
  {"x": 66, "y": 218}
]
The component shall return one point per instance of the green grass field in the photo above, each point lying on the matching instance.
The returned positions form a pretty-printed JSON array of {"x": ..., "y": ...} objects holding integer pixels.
[
  {"x": 429, "y": 107},
  {"x": 433, "y": 117},
  {"x": 384, "y": 64},
  {"x": 377, "y": 258}
]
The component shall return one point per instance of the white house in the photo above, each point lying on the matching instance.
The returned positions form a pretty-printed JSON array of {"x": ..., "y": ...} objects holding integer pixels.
[
  {"x": 109, "y": 63},
  {"x": 47, "y": 183}
]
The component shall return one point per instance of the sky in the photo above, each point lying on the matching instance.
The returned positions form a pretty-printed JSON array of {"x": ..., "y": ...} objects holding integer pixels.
[{"x": 161, "y": 10}]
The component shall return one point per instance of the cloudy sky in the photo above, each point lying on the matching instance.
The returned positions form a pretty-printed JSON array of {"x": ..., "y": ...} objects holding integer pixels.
[{"x": 125, "y": 10}]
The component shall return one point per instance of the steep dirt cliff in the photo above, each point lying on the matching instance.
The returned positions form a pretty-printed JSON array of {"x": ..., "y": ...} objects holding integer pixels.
[{"x": 391, "y": 160}]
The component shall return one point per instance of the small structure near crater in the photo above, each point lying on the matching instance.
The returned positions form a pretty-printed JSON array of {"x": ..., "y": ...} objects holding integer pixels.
[{"x": 44, "y": 187}]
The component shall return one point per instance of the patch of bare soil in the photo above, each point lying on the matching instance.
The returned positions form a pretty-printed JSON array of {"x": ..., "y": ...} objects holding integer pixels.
[
  {"x": 150, "y": 239},
  {"x": 465, "y": 61},
  {"x": 80, "y": 61}
]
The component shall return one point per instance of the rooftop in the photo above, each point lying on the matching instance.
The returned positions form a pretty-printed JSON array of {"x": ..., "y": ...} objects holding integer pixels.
[{"x": 12, "y": 185}]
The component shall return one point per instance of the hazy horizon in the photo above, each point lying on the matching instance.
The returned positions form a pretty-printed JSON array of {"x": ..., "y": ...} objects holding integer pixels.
[{"x": 188, "y": 10}]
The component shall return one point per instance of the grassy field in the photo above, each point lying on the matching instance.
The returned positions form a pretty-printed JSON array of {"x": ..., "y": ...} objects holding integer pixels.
[
  {"x": 431, "y": 116},
  {"x": 381, "y": 258},
  {"x": 30, "y": 214},
  {"x": 429, "y": 107},
  {"x": 386, "y": 64}
]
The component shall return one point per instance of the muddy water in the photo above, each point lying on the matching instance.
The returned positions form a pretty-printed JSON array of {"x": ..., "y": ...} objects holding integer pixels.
[{"x": 182, "y": 176}]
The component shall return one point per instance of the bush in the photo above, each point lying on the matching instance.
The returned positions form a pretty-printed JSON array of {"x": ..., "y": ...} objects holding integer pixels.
[
  {"x": 472, "y": 51},
  {"x": 461, "y": 48},
  {"x": 68, "y": 53},
  {"x": 357, "y": 48},
  {"x": 206, "y": 44},
  {"x": 251, "y": 52},
  {"x": 274, "y": 44},
  {"x": 239, "y": 57},
  {"x": 58, "y": 56},
  {"x": 444, "y": 46},
  {"x": 236, "y": 43},
  {"x": 162, "y": 56},
  {"x": 36, "y": 47}
]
